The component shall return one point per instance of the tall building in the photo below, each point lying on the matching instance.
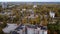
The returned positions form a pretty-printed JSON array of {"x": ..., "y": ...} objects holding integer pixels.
[
  {"x": 4, "y": 4},
  {"x": 52, "y": 14}
]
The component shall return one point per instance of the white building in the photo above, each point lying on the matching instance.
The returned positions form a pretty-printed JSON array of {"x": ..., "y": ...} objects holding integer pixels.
[
  {"x": 32, "y": 16},
  {"x": 23, "y": 9},
  {"x": 3, "y": 13},
  {"x": 34, "y": 6},
  {"x": 9, "y": 28},
  {"x": 20, "y": 31},
  {"x": 4, "y": 4},
  {"x": 36, "y": 31},
  {"x": 43, "y": 32},
  {"x": 30, "y": 31},
  {"x": 52, "y": 14},
  {"x": 10, "y": 6}
]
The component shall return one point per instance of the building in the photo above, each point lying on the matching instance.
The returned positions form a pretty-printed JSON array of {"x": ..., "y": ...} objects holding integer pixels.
[
  {"x": 52, "y": 14},
  {"x": 9, "y": 28},
  {"x": 34, "y": 6},
  {"x": 30, "y": 29},
  {"x": 4, "y": 4}
]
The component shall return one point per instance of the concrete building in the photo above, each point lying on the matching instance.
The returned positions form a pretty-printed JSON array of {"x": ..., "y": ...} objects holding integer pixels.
[
  {"x": 4, "y": 4},
  {"x": 30, "y": 30},
  {"x": 52, "y": 14},
  {"x": 9, "y": 28},
  {"x": 34, "y": 6}
]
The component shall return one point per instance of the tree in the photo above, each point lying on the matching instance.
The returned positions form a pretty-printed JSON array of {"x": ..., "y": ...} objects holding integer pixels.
[
  {"x": 54, "y": 27},
  {"x": 58, "y": 27},
  {"x": 1, "y": 32},
  {"x": 1, "y": 18},
  {"x": 3, "y": 25},
  {"x": 51, "y": 28}
]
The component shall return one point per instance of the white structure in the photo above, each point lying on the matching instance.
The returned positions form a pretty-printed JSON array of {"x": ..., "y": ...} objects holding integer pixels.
[
  {"x": 20, "y": 31},
  {"x": 23, "y": 9},
  {"x": 45, "y": 31},
  {"x": 9, "y": 28},
  {"x": 52, "y": 14},
  {"x": 3, "y": 13},
  {"x": 12, "y": 16},
  {"x": 4, "y": 4},
  {"x": 11, "y": 6},
  {"x": 34, "y": 6},
  {"x": 42, "y": 31},
  {"x": 6, "y": 13},
  {"x": 30, "y": 31},
  {"x": 36, "y": 31},
  {"x": 31, "y": 16},
  {"x": 30, "y": 10}
]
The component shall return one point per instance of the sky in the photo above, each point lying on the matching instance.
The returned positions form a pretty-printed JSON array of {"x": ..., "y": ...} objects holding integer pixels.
[{"x": 29, "y": 0}]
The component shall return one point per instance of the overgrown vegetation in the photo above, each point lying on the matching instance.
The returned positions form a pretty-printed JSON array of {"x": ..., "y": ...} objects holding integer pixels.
[{"x": 40, "y": 10}]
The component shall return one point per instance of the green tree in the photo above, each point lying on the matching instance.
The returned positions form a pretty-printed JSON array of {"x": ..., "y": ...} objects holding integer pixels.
[
  {"x": 3, "y": 25},
  {"x": 1, "y": 32}
]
